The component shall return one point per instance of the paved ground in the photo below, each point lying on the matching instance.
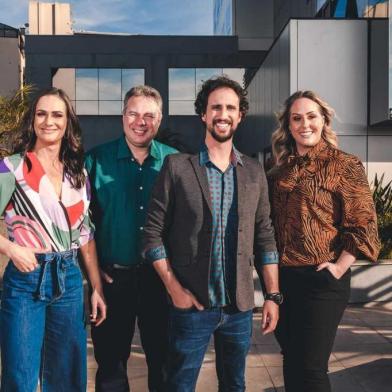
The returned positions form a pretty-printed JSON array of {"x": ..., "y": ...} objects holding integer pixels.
[{"x": 361, "y": 360}]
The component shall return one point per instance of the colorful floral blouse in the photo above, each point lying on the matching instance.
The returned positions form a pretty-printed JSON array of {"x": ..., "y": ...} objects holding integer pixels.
[
  {"x": 321, "y": 205},
  {"x": 33, "y": 213}
]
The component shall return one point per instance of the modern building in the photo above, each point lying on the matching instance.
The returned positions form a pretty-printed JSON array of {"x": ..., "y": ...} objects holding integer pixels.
[
  {"x": 50, "y": 18},
  {"x": 337, "y": 48},
  {"x": 340, "y": 50},
  {"x": 12, "y": 61}
]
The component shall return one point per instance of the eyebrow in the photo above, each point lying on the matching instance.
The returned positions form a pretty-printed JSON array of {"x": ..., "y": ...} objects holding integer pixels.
[
  {"x": 46, "y": 111},
  {"x": 299, "y": 114}
]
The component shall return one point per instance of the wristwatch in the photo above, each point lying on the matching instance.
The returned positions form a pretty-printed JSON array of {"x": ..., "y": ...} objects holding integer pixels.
[{"x": 276, "y": 297}]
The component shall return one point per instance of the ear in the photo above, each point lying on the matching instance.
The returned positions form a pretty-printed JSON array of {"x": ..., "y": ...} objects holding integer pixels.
[{"x": 203, "y": 117}]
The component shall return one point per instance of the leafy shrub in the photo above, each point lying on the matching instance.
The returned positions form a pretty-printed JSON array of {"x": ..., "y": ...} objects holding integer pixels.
[{"x": 382, "y": 196}]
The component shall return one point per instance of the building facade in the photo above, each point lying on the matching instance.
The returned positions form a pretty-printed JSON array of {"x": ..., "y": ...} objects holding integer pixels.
[
  {"x": 12, "y": 60},
  {"x": 340, "y": 49}
]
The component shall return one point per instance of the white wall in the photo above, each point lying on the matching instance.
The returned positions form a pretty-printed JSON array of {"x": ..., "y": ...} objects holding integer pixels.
[{"x": 330, "y": 57}]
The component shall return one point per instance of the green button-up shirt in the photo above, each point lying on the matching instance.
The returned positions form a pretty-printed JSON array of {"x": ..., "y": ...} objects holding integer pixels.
[{"x": 121, "y": 189}]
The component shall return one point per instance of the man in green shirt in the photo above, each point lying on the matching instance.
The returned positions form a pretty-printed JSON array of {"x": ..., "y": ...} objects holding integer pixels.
[{"x": 122, "y": 173}]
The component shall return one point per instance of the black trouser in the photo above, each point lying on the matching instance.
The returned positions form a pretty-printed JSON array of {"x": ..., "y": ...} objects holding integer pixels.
[
  {"x": 139, "y": 294},
  {"x": 313, "y": 306}
]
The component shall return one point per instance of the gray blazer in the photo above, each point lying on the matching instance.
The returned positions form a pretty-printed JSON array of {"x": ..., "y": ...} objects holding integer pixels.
[{"x": 180, "y": 218}]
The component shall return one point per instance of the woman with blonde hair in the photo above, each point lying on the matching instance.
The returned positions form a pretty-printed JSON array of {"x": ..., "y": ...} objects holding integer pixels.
[
  {"x": 45, "y": 197},
  {"x": 324, "y": 219}
]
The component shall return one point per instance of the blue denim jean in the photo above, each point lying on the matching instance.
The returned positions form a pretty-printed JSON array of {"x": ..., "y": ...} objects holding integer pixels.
[
  {"x": 189, "y": 334},
  {"x": 42, "y": 326}
]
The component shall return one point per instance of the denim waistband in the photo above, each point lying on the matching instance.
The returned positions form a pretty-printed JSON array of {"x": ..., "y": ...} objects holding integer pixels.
[
  {"x": 65, "y": 255},
  {"x": 59, "y": 260}
]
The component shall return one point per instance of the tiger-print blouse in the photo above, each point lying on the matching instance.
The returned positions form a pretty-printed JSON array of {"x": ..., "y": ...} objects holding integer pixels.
[{"x": 321, "y": 204}]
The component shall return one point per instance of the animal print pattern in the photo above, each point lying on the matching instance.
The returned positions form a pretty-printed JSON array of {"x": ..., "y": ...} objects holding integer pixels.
[{"x": 321, "y": 204}]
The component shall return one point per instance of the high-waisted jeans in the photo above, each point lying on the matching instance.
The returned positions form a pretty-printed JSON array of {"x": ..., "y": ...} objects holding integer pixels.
[{"x": 42, "y": 325}]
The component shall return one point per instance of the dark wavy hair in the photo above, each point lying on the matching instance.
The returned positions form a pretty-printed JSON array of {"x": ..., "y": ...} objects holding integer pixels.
[
  {"x": 213, "y": 84},
  {"x": 71, "y": 150}
]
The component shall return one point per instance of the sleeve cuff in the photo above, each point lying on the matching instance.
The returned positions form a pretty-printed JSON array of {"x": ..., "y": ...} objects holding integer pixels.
[
  {"x": 155, "y": 254},
  {"x": 269, "y": 258}
]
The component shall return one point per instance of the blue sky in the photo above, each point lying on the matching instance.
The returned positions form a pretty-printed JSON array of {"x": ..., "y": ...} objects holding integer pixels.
[{"x": 178, "y": 17}]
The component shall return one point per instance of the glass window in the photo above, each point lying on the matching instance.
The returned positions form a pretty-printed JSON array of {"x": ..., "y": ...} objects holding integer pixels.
[
  {"x": 86, "y": 107},
  {"x": 110, "y": 84},
  {"x": 131, "y": 78},
  {"x": 110, "y": 107},
  {"x": 86, "y": 84},
  {"x": 184, "y": 84},
  {"x": 97, "y": 91},
  {"x": 203, "y": 74},
  {"x": 353, "y": 8}
]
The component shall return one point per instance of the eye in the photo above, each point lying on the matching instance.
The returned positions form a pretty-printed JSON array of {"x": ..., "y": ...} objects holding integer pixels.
[
  {"x": 149, "y": 116},
  {"x": 296, "y": 118}
]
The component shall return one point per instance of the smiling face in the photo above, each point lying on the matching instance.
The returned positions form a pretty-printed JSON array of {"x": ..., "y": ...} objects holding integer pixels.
[
  {"x": 306, "y": 124},
  {"x": 222, "y": 114},
  {"x": 50, "y": 120},
  {"x": 141, "y": 119}
]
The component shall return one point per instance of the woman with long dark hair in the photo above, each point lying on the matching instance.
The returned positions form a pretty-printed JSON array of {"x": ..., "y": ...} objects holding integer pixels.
[
  {"x": 324, "y": 219},
  {"x": 44, "y": 196}
]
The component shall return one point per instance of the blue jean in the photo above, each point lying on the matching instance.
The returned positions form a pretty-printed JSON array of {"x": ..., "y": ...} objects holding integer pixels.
[
  {"x": 43, "y": 334},
  {"x": 189, "y": 334}
]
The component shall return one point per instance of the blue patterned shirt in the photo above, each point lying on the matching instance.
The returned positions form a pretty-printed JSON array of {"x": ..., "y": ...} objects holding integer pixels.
[{"x": 224, "y": 201}]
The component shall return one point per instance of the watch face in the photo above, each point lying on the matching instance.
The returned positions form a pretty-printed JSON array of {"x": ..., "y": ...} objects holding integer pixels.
[{"x": 276, "y": 297}]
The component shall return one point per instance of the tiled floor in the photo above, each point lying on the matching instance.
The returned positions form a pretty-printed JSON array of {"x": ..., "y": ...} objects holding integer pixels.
[{"x": 361, "y": 360}]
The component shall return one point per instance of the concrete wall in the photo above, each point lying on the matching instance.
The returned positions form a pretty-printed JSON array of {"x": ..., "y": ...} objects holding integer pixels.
[
  {"x": 253, "y": 23},
  {"x": 331, "y": 57},
  {"x": 284, "y": 10},
  {"x": 10, "y": 63},
  {"x": 268, "y": 89},
  {"x": 49, "y": 18}
]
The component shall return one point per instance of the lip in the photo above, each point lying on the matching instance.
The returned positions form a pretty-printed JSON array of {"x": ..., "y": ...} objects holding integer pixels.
[{"x": 139, "y": 132}]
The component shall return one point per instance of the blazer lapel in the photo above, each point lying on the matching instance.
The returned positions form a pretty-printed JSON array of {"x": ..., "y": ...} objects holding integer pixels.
[
  {"x": 241, "y": 191},
  {"x": 201, "y": 175}
]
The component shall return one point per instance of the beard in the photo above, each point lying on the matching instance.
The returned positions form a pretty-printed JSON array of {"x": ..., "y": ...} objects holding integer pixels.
[{"x": 218, "y": 137}]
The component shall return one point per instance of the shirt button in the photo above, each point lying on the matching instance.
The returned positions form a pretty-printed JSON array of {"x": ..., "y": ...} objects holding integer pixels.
[
  {"x": 141, "y": 207},
  {"x": 141, "y": 188},
  {"x": 133, "y": 159},
  {"x": 141, "y": 228},
  {"x": 140, "y": 169}
]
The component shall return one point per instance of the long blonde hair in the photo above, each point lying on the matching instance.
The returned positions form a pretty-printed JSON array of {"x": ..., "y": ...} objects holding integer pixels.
[{"x": 283, "y": 144}]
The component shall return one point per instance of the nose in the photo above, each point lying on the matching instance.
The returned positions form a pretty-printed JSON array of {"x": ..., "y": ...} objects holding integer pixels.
[
  {"x": 48, "y": 119},
  {"x": 305, "y": 122},
  {"x": 140, "y": 120},
  {"x": 224, "y": 113}
]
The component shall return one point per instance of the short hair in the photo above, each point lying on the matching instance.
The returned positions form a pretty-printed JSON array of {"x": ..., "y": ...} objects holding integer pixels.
[
  {"x": 283, "y": 144},
  {"x": 143, "y": 91},
  {"x": 215, "y": 83}
]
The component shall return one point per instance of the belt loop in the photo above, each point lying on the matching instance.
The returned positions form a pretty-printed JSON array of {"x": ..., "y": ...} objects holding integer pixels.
[
  {"x": 60, "y": 276},
  {"x": 41, "y": 289}
]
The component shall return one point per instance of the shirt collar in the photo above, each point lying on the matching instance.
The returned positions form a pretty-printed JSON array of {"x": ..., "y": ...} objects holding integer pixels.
[
  {"x": 235, "y": 157},
  {"x": 124, "y": 151},
  {"x": 315, "y": 152}
]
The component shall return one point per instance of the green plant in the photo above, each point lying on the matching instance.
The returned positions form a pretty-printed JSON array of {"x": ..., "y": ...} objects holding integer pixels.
[
  {"x": 382, "y": 196},
  {"x": 12, "y": 110}
]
